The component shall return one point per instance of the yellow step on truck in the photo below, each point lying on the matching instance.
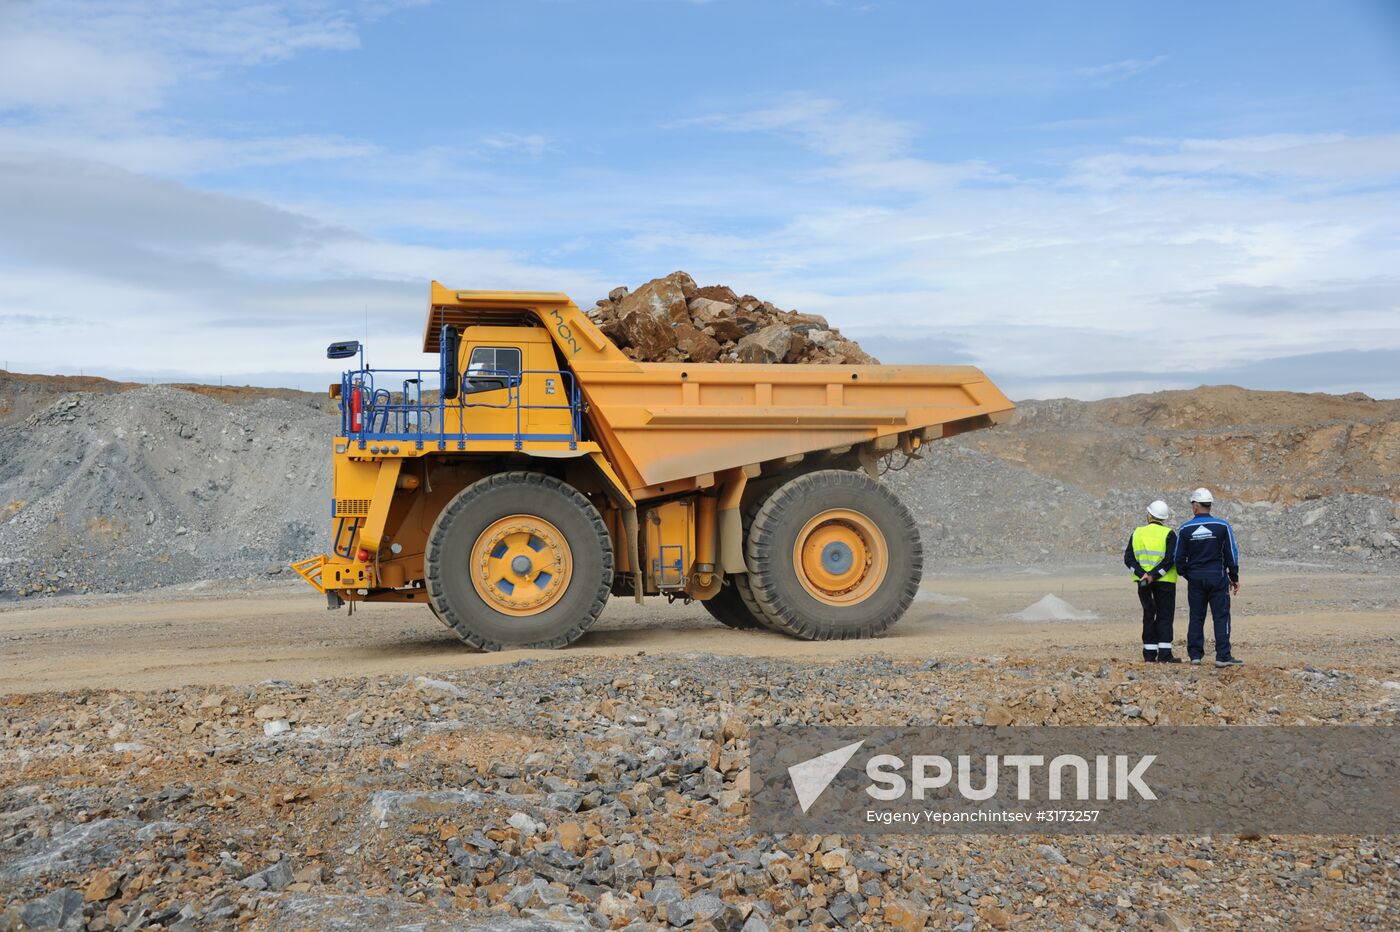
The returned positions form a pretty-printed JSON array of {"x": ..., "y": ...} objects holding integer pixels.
[{"x": 538, "y": 470}]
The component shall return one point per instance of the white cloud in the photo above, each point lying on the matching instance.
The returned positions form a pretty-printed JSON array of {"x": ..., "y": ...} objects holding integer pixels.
[
  {"x": 822, "y": 125},
  {"x": 865, "y": 149},
  {"x": 149, "y": 150},
  {"x": 44, "y": 71},
  {"x": 1324, "y": 160},
  {"x": 119, "y": 58},
  {"x": 1121, "y": 69},
  {"x": 529, "y": 144},
  {"x": 169, "y": 277}
]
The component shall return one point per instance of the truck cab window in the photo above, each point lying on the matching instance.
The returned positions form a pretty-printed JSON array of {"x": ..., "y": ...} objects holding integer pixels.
[{"x": 491, "y": 368}]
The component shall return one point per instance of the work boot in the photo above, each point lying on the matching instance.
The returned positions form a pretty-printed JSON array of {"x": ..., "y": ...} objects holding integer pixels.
[
  {"x": 1165, "y": 656},
  {"x": 1231, "y": 661},
  {"x": 1149, "y": 656}
]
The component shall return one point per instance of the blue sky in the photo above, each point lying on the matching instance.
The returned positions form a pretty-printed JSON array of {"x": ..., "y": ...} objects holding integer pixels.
[{"x": 1083, "y": 198}]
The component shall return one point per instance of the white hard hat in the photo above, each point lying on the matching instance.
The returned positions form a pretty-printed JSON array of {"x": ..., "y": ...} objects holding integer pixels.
[
  {"x": 1203, "y": 496},
  {"x": 1159, "y": 510}
]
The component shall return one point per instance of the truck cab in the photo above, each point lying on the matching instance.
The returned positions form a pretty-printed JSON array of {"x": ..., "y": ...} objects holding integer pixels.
[{"x": 512, "y": 386}]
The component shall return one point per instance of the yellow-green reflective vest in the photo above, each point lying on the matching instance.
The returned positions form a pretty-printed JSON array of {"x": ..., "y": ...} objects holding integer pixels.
[{"x": 1150, "y": 548}]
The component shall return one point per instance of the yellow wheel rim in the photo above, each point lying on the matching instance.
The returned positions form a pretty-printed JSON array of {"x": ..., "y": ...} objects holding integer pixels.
[
  {"x": 521, "y": 565},
  {"x": 840, "y": 557}
]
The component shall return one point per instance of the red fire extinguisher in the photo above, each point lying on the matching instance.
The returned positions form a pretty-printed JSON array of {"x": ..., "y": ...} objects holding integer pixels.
[{"x": 357, "y": 407}]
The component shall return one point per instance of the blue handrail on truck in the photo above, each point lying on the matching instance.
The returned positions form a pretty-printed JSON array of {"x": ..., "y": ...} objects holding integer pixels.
[{"x": 411, "y": 419}]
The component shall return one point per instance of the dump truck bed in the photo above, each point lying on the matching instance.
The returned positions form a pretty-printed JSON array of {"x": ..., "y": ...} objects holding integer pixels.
[{"x": 664, "y": 422}]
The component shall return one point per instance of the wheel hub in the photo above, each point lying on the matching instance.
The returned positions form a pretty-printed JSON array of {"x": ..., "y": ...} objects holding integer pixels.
[
  {"x": 837, "y": 557},
  {"x": 521, "y": 565},
  {"x": 840, "y": 557}
]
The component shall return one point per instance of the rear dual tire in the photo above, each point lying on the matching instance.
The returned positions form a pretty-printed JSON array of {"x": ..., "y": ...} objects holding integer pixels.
[
  {"x": 730, "y": 608},
  {"x": 735, "y": 606},
  {"x": 833, "y": 555}
]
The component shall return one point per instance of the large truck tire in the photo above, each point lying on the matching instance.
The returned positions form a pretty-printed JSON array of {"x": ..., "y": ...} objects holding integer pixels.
[
  {"x": 517, "y": 560},
  {"x": 745, "y": 591},
  {"x": 741, "y": 580},
  {"x": 833, "y": 555},
  {"x": 748, "y": 612},
  {"x": 728, "y": 608}
]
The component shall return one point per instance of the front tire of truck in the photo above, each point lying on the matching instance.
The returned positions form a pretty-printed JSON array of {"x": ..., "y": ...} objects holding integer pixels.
[
  {"x": 518, "y": 560},
  {"x": 833, "y": 555}
]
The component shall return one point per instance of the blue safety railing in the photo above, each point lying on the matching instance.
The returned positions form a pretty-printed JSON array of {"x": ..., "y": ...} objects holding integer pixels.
[{"x": 405, "y": 417}]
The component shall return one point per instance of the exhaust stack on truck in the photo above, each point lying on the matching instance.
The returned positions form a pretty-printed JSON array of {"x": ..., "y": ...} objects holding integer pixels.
[{"x": 538, "y": 470}]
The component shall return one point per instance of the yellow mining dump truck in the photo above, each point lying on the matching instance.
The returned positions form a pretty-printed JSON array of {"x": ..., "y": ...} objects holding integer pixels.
[{"x": 538, "y": 470}]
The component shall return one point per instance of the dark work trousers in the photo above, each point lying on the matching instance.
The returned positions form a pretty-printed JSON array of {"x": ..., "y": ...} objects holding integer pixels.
[
  {"x": 1212, "y": 592},
  {"x": 1158, "y": 612}
]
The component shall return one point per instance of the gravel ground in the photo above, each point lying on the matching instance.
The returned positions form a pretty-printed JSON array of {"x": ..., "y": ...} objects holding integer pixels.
[
  {"x": 219, "y": 635},
  {"x": 610, "y": 792},
  {"x": 389, "y": 779}
]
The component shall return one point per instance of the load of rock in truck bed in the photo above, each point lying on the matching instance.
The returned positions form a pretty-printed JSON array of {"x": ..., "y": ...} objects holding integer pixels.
[{"x": 672, "y": 319}]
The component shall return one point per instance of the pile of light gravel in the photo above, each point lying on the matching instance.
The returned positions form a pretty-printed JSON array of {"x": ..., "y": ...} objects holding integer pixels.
[{"x": 156, "y": 486}]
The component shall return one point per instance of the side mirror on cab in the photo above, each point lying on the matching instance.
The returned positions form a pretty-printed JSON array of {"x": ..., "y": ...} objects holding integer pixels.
[
  {"x": 450, "y": 344},
  {"x": 343, "y": 350}
]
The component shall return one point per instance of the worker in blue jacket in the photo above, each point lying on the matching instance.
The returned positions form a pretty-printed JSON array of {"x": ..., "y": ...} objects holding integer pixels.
[{"x": 1207, "y": 556}]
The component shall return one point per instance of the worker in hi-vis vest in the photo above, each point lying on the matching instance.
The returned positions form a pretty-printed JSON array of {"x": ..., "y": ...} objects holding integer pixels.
[{"x": 1151, "y": 555}]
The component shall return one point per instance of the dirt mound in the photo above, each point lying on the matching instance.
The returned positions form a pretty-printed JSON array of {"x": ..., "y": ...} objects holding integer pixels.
[
  {"x": 672, "y": 319},
  {"x": 1252, "y": 446},
  {"x": 1210, "y": 407},
  {"x": 22, "y": 394},
  {"x": 152, "y": 486},
  {"x": 975, "y": 507}
]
